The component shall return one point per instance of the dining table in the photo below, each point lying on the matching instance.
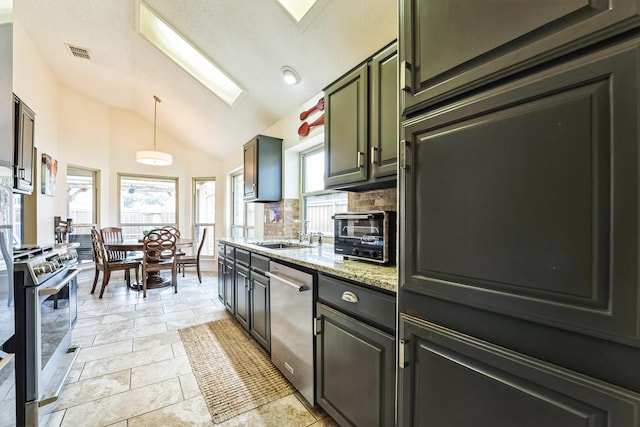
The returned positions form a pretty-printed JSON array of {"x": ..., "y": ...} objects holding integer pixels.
[{"x": 154, "y": 278}]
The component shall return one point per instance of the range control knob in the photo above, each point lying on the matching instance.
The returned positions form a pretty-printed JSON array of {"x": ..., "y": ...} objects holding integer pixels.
[{"x": 355, "y": 251}]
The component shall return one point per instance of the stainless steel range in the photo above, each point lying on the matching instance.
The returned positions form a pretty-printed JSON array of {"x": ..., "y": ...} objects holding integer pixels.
[{"x": 46, "y": 311}]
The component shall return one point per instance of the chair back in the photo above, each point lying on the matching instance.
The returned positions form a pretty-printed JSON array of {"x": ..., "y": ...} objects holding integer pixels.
[
  {"x": 159, "y": 245},
  {"x": 113, "y": 235},
  {"x": 204, "y": 237},
  {"x": 173, "y": 230},
  {"x": 99, "y": 255}
]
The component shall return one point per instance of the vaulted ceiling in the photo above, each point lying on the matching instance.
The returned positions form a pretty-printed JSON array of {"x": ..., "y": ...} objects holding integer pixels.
[{"x": 251, "y": 40}]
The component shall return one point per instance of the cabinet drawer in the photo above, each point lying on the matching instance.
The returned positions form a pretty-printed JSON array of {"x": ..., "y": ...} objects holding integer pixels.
[
  {"x": 358, "y": 301},
  {"x": 230, "y": 251},
  {"x": 243, "y": 257},
  {"x": 221, "y": 249},
  {"x": 259, "y": 262}
]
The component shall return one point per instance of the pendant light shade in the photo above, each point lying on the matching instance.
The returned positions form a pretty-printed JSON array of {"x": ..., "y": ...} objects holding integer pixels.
[{"x": 156, "y": 158}]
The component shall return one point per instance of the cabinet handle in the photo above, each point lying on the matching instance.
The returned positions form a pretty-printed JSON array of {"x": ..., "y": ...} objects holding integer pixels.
[
  {"x": 405, "y": 76},
  {"x": 21, "y": 173},
  {"x": 349, "y": 296},
  {"x": 374, "y": 157},
  {"x": 360, "y": 154},
  {"x": 403, "y": 154}
]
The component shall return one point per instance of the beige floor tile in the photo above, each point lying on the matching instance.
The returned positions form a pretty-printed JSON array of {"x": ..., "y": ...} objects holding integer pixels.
[
  {"x": 119, "y": 407},
  {"x": 121, "y": 362},
  {"x": 54, "y": 419},
  {"x": 287, "y": 411},
  {"x": 150, "y": 341},
  {"x": 128, "y": 315},
  {"x": 164, "y": 317},
  {"x": 125, "y": 334},
  {"x": 159, "y": 371},
  {"x": 178, "y": 349},
  {"x": 192, "y": 412},
  {"x": 189, "y": 386},
  {"x": 94, "y": 388},
  {"x": 88, "y": 353}
]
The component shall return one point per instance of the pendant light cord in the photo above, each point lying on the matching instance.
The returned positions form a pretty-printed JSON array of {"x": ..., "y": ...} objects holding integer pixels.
[{"x": 155, "y": 113}]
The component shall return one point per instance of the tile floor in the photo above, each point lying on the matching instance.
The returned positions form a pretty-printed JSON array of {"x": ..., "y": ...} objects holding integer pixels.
[{"x": 132, "y": 370}]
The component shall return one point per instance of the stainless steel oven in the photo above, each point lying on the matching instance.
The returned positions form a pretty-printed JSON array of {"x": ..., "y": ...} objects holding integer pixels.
[
  {"x": 46, "y": 311},
  {"x": 367, "y": 236}
]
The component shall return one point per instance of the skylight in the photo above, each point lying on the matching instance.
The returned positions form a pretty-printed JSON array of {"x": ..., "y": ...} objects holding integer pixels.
[
  {"x": 297, "y": 8},
  {"x": 176, "y": 47}
]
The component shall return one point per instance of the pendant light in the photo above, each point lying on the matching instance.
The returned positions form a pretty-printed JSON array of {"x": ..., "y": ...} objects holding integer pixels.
[{"x": 156, "y": 158}]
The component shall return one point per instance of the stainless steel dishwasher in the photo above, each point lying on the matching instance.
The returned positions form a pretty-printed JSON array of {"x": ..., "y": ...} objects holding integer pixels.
[{"x": 292, "y": 326}]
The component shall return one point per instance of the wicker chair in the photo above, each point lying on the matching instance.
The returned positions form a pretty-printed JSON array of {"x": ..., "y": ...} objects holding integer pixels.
[
  {"x": 102, "y": 263},
  {"x": 183, "y": 261},
  {"x": 159, "y": 254}
]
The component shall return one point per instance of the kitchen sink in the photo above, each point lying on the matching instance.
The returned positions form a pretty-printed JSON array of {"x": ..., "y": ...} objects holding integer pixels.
[{"x": 281, "y": 245}]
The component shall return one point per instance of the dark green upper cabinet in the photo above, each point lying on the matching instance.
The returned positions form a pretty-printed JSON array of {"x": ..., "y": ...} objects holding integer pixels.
[
  {"x": 263, "y": 169},
  {"x": 361, "y": 125},
  {"x": 485, "y": 43},
  {"x": 23, "y": 147}
]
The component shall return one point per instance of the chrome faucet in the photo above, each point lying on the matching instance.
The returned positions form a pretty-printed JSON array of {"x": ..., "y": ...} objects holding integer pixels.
[{"x": 319, "y": 234}]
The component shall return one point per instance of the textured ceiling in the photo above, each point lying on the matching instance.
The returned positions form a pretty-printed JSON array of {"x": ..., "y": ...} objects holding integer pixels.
[{"x": 250, "y": 39}]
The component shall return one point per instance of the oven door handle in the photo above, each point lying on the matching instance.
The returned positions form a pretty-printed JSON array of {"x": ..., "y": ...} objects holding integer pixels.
[
  {"x": 52, "y": 290},
  {"x": 353, "y": 216}
]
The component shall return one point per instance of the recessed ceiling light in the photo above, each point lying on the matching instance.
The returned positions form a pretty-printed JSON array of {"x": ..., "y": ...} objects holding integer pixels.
[
  {"x": 290, "y": 76},
  {"x": 297, "y": 8},
  {"x": 183, "y": 53}
]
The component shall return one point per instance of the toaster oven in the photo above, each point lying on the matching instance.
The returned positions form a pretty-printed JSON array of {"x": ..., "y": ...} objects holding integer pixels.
[{"x": 366, "y": 236}]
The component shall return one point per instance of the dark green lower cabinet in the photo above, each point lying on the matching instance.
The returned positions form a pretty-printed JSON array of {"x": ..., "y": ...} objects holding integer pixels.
[
  {"x": 229, "y": 280},
  {"x": 260, "y": 317},
  {"x": 221, "y": 262},
  {"x": 242, "y": 295},
  {"x": 451, "y": 379},
  {"x": 355, "y": 370}
]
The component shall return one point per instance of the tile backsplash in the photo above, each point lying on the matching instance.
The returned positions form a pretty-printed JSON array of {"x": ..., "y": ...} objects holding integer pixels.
[{"x": 288, "y": 211}]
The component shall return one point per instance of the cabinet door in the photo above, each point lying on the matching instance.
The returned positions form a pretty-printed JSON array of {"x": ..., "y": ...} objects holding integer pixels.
[
  {"x": 355, "y": 370},
  {"x": 260, "y": 312},
  {"x": 24, "y": 135},
  {"x": 229, "y": 288},
  {"x": 242, "y": 295},
  {"x": 346, "y": 129},
  {"x": 383, "y": 137},
  {"x": 250, "y": 169},
  {"x": 221, "y": 275},
  {"x": 484, "y": 42},
  {"x": 450, "y": 379},
  {"x": 521, "y": 205}
]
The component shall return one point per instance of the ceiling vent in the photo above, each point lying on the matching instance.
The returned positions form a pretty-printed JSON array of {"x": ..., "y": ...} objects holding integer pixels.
[{"x": 79, "y": 52}]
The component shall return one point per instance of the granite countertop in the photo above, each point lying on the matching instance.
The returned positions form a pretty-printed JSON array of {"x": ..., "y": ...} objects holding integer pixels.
[{"x": 323, "y": 259}]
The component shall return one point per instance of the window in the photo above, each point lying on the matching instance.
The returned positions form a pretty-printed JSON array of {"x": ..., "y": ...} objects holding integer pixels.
[
  {"x": 243, "y": 218},
  {"x": 318, "y": 204},
  {"x": 82, "y": 208},
  {"x": 204, "y": 212},
  {"x": 147, "y": 203}
]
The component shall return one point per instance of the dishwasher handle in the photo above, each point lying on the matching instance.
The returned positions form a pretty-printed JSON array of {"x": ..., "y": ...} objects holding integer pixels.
[{"x": 299, "y": 288}]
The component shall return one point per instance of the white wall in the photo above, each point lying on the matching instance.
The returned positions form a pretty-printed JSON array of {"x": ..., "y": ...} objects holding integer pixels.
[{"x": 81, "y": 131}]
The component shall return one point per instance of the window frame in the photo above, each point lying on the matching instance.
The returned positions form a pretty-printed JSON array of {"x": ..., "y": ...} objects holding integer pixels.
[
  {"x": 304, "y": 195},
  {"x": 175, "y": 179},
  {"x": 242, "y": 230},
  {"x": 209, "y": 250}
]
